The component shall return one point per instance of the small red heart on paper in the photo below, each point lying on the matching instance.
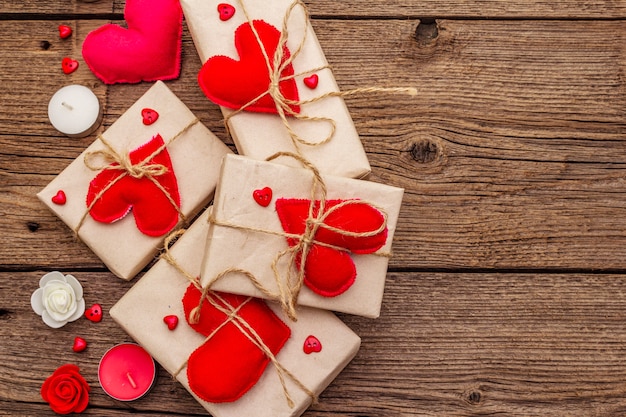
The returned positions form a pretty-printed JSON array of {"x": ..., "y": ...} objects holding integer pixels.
[
  {"x": 311, "y": 81},
  {"x": 312, "y": 344},
  {"x": 94, "y": 313},
  {"x": 263, "y": 197},
  {"x": 59, "y": 198},
  {"x": 80, "y": 344},
  {"x": 226, "y": 11},
  {"x": 171, "y": 321},
  {"x": 149, "y": 116},
  {"x": 69, "y": 65},
  {"x": 65, "y": 31}
]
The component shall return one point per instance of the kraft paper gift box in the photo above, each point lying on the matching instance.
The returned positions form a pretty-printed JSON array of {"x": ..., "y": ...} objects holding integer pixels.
[
  {"x": 318, "y": 347},
  {"x": 172, "y": 163},
  {"x": 235, "y": 73},
  {"x": 258, "y": 225}
]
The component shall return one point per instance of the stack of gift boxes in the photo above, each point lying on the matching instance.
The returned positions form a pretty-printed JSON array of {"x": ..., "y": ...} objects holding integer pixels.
[{"x": 293, "y": 233}]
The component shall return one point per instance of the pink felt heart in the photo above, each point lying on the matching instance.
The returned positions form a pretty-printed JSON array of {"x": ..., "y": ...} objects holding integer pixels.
[
  {"x": 148, "y": 50},
  {"x": 154, "y": 212},
  {"x": 245, "y": 83}
]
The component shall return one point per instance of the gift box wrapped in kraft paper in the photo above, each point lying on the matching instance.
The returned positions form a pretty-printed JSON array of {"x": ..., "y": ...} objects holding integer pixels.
[
  {"x": 263, "y": 65},
  {"x": 233, "y": 352},
  {"x": 300, "y": 237},
  {"x": 151, "y": 170}
]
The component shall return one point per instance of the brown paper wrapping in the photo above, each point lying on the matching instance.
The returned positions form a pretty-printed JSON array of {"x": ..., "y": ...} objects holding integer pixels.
[
  {"x": 255, "y": 251},
  {"x": 259, "y": 135},
  {"x": 196, "y": 156},
  {"x": 159, "y": 293}
]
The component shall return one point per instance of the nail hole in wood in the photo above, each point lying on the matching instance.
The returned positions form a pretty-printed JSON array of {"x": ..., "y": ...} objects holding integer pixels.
[
  {"x": 4, "y": 314},
  {"x": 474, "y": 397},
  {"x": 426, "y": 30},
  {"x": 32, "y": 226},
  {"x": 424, "y": 151},
  {"x": 45, "y": 45}
]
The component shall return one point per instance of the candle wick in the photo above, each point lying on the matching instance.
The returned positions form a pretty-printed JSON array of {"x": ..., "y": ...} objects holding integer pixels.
[
  {"x": 64, "y": 104},
  {"x": 131, "y": 380}
]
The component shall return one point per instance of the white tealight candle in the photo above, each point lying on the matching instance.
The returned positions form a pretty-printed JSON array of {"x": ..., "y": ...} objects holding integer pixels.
[{"x": 75, "y": 111}]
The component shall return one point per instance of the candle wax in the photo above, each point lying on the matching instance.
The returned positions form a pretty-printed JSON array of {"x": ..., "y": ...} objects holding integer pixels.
[
  {"x": 75, "y": 111},
  {"x": 126, "y": 372}
]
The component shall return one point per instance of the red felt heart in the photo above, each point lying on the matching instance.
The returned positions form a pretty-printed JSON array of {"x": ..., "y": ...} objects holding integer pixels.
[
  {"x": 94, "y": 313},
  {"x": 149, "y": 50},
  {"x": 263, "y": 197},
  {"x": 79, "y": 345},
  {"x": 154, "y": 213},
  {"x": 235, "y": 84},
  {"x": 311, "y": 81},
  {"x": 59, "y": 198},
  {"x": 226, "y": 11},
  {"x": 69, "y": 65},
  {"x": 329, "y": 271},
  {"x": 311, "y": 345},
  {"x": 227, "y": 365},
  {"x": 171, "y": 321},
  {"x": 149, "y": 116},
  {"x": 65, "y": 31}
]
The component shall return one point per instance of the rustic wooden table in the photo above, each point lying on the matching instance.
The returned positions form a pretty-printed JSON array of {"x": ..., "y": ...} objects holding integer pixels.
[{"x": 506, "y": 294}]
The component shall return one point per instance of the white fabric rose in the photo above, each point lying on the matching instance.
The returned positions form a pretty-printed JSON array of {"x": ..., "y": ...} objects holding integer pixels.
[{"x": 58, "y": 300}]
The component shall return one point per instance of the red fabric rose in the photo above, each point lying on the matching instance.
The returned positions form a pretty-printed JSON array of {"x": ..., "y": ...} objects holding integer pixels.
[{"x": 66, "y": 390}]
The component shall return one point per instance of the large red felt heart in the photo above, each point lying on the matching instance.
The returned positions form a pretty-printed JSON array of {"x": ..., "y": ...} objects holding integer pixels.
[
  {"x": 154, "y": 213},
  {"x": 329, "y": 271},
  {"x": 235, "y": 84},
  {"x": 148, "y": 50},
  {"x": 228, "y": 364}
]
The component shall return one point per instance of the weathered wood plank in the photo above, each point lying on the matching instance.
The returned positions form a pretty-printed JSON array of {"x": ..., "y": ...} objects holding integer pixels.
[
  {"x": 445, "y": 344},
  {"x": 516, "y": 9},
  {"x": 512, "y": 154}
]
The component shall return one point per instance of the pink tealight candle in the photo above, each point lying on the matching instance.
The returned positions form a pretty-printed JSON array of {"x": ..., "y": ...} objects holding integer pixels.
[{"x": 126, "y": 372}]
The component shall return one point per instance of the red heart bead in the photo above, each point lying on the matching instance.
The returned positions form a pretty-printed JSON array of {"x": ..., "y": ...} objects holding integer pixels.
[
  {"x": 80, "y": 344},
  {"x": 149, "y": 116},
  {"x": 312, "y": 344},
  {"x": 69, "y": 65},
  {"x": 59, "y": 198},
  {"x": 263, "y": 197},
  {"x": 65, "y": 31},
  {"x": 311, "y": 81},
  {"x": 171, "y": 321},
  {"x": 226, "y": 11},
  {"x": 94, "y": 313}
]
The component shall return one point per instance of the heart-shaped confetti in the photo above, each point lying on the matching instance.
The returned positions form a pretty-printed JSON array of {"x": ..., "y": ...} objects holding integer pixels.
[
  {"x": 312, "y": 345},
  {"x": 311, "y": 81},
  {"x": 59, "y": 198},
  {"x": 69, "y": 65},
  {"x": 80, "y": 344},
  {"x": 226, "y": 11},
  {"x": 149, "y": 116},
  {"x": 94, "y": 313},
  {"x": 263, "y": 197},
  {"x": 171, "y": 321},
  {"x": 65, "y": 31}
]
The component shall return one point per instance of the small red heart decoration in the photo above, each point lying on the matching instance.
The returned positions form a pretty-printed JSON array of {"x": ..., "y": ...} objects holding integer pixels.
[
  {"x": 149, "y": 116},
  {"x": 312, "y": 344},
  {"x": 263, "y": 197},
  {"x": 69, "y": 65},
  {"x": 65, "y": 31},
  {"x": 80, "y": 344},
  {"x": 59, "y": 198},
  {"x": 226, "y": 11},
  {"x": 171, "y": 321},
  {"x": 94, "y": 313},
  {"x": 311, "y": 81}
]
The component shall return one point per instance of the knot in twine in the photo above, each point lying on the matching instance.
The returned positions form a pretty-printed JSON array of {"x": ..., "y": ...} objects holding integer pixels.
[
  {"x": 232, "y": 316},
  {"x": 290, "y": 285},
  {"x": 278, "y": 63}
]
